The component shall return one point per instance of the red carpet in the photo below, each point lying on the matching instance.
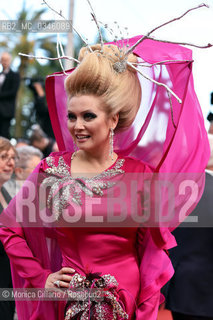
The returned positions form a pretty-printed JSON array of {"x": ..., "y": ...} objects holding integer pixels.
[{"x": 164, "y": 314}]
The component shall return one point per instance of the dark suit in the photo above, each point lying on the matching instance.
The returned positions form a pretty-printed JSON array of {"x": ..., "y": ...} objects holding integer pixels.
[
  {"x": 42, "y": 116},
  {"x": 8, "y": 92},
  {"x": 190, "y": 291}
]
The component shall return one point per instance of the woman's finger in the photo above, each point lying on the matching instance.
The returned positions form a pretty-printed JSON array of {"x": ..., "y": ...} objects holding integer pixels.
[
  {"x": 67, "y": 270},
  {"x": 62, "y": 284},
  {"x": 65, "y": 277}
]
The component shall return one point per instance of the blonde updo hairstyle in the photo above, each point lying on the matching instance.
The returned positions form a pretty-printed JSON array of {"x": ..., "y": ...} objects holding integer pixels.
[{"x": 95, "y": 75}]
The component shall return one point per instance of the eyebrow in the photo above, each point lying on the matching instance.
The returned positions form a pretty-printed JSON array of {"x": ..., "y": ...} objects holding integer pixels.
[{"x": 85, "y": 111}]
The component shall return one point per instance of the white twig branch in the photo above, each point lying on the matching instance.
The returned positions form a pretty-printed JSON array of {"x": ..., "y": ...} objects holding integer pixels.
[
  {"x": 58, "y": 13},
  {"x": 61, "y": 15},
  {"x": 149, "y": 65},
  {"x": 171, "y": 108},
  {"x": 178, "y": 18},
  {"x": 162, "y": 25},
  {"x": 97, "y": 24},
  {"x": 58, "y": 47},
  {"x": 209, "y": 45},
  {"x": 57, "y": 74},
  {"x": 155, "y": 82},
  {"x": 30, "y": 56}
]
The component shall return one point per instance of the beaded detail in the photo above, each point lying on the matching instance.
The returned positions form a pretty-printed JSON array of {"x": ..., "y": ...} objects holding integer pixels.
[
  {"x": 64, "y": 188},
  {"x": 108, "y": 307},
  {"x": 120, "y": 66}
]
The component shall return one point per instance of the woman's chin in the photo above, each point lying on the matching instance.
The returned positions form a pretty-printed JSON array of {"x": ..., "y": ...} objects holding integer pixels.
[
  {"x": 5, "y": 176},
  {"x": 83, "y": 147}
]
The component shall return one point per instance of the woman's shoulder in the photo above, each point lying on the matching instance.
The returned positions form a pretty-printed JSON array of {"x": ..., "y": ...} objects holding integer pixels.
[
  {"x": 54, "y": 157},
  {"x": 58, "y": 154},
  {"x": 136, "y": 165}
]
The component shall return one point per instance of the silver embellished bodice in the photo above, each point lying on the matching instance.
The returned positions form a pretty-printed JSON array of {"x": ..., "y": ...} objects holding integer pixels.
[{"x": 65, "y": 189}]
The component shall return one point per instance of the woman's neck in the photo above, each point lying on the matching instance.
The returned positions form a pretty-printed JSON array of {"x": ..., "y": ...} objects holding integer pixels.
[{"x": 97, "y": 159}]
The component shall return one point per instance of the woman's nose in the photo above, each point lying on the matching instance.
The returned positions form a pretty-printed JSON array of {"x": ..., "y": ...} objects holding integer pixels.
[
  {"x": 11, "y": 161},
  {"x": 79, "y": 124}
]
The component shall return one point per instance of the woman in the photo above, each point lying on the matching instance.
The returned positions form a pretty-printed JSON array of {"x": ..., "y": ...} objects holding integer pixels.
[
  {"x": 7, "y": 164},
  {"x": 97, "y": 186}
]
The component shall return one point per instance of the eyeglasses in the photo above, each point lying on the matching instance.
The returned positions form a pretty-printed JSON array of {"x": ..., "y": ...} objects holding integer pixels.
[{"x": 6, "y": 158}]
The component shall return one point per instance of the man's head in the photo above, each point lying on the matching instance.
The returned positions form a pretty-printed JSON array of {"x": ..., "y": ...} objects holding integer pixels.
[
  {"x": 28, "y": 158},
  {"x": 5, "y": 60}
]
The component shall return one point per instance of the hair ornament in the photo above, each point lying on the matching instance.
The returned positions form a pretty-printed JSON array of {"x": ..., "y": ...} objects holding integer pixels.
[
  {"x": 122, "y": 62},
  {"x": 120, "y": 66}
]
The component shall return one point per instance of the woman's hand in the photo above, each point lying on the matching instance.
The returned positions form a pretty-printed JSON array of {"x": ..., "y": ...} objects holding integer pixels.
[{"x": 62, "y": 276}]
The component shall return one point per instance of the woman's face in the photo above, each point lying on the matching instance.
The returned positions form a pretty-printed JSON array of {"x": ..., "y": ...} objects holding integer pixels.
[
  {"x": 89, "y": 124},
  {"x": 7, "y": 164}
]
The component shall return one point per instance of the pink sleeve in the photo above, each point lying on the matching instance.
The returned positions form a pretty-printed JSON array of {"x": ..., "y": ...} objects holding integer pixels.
[
  {"x": 155, "y": 270},
  {"x": 149, "y": 308},
  {"x": 22, "y": 259}
]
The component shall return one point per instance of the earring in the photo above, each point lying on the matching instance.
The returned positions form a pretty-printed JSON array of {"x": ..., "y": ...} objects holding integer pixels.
[
  {"x": 111, "y": 138},
  {"x": 74, "y": 146}
]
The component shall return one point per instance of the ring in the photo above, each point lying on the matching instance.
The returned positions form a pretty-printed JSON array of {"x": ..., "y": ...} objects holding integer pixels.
[{"x": 57, "y": 283}]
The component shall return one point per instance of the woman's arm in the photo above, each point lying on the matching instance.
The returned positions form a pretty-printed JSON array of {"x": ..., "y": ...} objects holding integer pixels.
[
  {"x": 29, "y": 267},
  {"x": 22, "y": 259},
  {"x": 26, "y": 243}
]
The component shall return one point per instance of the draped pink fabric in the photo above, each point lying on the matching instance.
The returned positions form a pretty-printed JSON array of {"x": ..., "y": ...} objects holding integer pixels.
[
  {"x": 173, "y": 143},
  {"x": 173, "y": 146},
  {"x": 152, "y": 137}
]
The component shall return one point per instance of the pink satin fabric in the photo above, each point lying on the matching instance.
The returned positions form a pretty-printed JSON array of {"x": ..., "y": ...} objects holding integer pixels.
[{"x": 173, "y": 144}]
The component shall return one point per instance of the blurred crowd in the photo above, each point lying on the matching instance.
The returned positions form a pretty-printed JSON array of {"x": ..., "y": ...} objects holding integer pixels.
[
  {"x": 16, "y": 164},
  {"x": 18, "y": 157},
  {"x": 40, "y": 134}
]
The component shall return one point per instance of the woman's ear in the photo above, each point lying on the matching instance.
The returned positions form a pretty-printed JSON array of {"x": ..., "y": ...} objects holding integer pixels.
[{"x": 115, "y": 119}]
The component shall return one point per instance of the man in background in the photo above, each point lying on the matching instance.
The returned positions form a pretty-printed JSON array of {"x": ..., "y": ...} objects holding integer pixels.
[
  {"x": 41, "y": 109},
  {"x": 189, "y": 294},
  {"x": 9, "y": 84}
]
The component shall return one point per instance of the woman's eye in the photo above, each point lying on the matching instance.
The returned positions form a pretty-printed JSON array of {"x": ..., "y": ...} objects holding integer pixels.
[
  {"x": 71, "y": 116},
  {"x": 89, "y": 115}
]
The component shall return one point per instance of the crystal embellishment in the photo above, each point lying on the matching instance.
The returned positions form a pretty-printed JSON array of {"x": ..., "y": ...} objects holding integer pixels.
[
  {"x": 108, "y": 307},
  {"x": 65, "y": 189},
  {"x": 120, "y": 66}
]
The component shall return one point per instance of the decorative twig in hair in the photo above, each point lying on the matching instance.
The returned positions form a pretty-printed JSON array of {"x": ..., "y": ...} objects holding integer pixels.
[
  {"x": 209, "y": 45},
  {"x": 61, "y": 15},
  {"x": 119, "y": 40},
  {"x": 178, "y": 18},
  {"x": 30, "y": 56},
  {"x": 147, "y": 36},
  {"x": 58, "y": 48},
  {"x": 155, "y": 82},
  {"x": 97, "y": 24},
  {"x": 164, "y": 62},
  {"x": 120, "y": 36},
  {"x": 171, "y": 108}
]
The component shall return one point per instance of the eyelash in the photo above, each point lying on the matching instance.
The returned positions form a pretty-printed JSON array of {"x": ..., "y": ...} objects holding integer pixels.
[
  {"x": 88, "y": 115},
  {"x": 70, "y": 116}
]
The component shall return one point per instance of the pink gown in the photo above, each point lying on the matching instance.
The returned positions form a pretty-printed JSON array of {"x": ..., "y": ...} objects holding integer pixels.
[{"x": 117, "y": 250}]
